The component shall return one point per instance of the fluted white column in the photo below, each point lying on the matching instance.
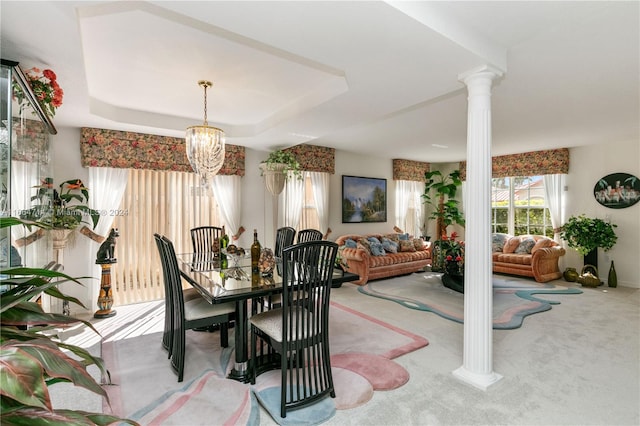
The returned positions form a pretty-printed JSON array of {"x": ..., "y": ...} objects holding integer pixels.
[{"x": 477, "y": 367}]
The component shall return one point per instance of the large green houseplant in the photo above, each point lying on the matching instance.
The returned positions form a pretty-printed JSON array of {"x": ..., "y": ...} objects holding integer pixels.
[
  {"x": 585, "y": 234},
  {"x": 445, "y": 207},
  {"x": 32, "y": 358}
]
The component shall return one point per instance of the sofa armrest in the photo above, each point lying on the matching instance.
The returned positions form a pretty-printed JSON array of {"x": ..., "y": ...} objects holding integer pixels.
[
  {"x": 544, "y": 263},
  {"x": 357, "y": 261}
]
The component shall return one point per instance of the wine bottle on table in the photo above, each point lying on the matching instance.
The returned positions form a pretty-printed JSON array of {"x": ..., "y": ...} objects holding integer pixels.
[
  {"x": 255, "y": 258},
  {"x": 224, "y": 242}
]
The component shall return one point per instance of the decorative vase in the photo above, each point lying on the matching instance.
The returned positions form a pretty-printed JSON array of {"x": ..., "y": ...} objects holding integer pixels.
[
  {"x": 612, "y": 280},
  {"x": 570, "y": 275}
]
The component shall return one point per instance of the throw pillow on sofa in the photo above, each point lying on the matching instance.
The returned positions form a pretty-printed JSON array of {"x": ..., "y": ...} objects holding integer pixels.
[
  {"x": 525, "y": 246},
  {"x": 542, "y": 243},
  {"x": 389, "y": 245},
  {"x": 407, "y": 245},
  {"x": 377, "y": 249},
  {"x": 419, "y": 244},
  {"x": 365, "y": 244},
  {"x": 350, "y": 243},
  {"x": 511, "y": 245},
  {"x": 498, "y": 240}
]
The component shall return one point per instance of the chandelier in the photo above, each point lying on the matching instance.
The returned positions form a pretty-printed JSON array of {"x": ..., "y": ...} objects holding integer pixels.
[{"x": 205, "y": 145}]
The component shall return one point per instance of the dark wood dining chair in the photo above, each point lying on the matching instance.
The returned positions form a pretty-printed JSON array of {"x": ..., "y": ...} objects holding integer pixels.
[
  {"x": 299, "y": 329},
  {"x": 206, "y": 239},
  {"x": 308, "y": 235},
  {"x": 285, "y": 237},
  {"x": 187, "y": 315},
  {"x": 188, "y": 294}
]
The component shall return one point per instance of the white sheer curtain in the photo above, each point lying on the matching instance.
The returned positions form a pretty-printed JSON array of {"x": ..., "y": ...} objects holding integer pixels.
[
  {"x": 320, "y": 186},
  {"x": 227, "y": 191},
  {"x": 107, "y": 186},
  {"x": 291, "y": 201},
  {"x": 409, "y": 206},
  {"x": 553, "y": 185}
]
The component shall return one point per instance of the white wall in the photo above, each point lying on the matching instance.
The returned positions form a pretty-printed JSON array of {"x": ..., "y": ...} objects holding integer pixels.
[{"x": 588, "y": 164}]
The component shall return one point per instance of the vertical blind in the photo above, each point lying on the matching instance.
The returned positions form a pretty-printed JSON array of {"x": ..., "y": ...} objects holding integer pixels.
[{"x": 163, "y": 202}]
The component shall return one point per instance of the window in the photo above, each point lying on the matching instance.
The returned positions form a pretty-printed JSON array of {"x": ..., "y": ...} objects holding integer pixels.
[
  {"x": 519, "y": 207},
  {"x": 309, "y": 218},
  {"x": 167, "y": 203}
]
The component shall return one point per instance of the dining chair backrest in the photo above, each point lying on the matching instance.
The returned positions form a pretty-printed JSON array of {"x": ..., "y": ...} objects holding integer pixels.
[
  {"x": 284, "y": 238},
  {"x": 167, "y": 336},
  {"x": 206, "y": 239},
  {"x": 307, "y": 276},
  {"x": 308, "y": 235}
]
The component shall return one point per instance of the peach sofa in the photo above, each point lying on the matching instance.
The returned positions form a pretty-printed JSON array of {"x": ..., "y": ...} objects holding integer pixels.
[
  {"x": 411, "y": 256},
  {"x": 527, "y": 255}
]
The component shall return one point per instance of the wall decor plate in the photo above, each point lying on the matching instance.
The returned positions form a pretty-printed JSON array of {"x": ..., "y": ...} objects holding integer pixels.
[{"x": 617, "y": 190}]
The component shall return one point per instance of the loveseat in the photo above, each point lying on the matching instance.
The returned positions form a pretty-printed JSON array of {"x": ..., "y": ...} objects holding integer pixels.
[
  {"x": 388, "y": 255},
  {"x": 526, "y": 255}
]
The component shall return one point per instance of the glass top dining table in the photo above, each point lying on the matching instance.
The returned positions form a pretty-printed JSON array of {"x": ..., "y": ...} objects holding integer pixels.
[
  {"x": 233, "y": 284},
  {"x": 236, "y": 284}
]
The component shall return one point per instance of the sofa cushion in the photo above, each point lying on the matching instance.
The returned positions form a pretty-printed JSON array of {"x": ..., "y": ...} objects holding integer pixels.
[
  {"x": 542, "y": 243},
  {"x": 498, "y": 240},
  {"x": 364, "y": 244},
  {"x": 419, "y": 244},
  {"x": 407, "y": 246},
  {"x": 511, "y": 245},
  {"x": 518, "y": 259},
  {"x": 377, "y": 249},
  {"x": 389, "y": 245},
  {"x": 350, "y": 243},
  {"x": 525, "y": 246},
  {"x": 393, "y": 237},
  {"x": 403, "y": 237}
]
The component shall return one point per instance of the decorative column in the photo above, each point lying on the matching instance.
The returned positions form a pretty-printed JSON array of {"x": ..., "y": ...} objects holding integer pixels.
[{"x": 477, "y": 367}]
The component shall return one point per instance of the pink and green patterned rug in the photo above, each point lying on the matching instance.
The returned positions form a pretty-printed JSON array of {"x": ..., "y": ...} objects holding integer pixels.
[{"x": 513, "y": 298}]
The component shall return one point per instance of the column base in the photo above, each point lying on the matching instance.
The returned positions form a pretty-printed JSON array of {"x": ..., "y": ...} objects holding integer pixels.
[{"x": 480, "y": 381}]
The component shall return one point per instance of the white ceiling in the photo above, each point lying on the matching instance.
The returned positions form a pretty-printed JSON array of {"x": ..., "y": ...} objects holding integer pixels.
[{"x": 374, "y": 77}]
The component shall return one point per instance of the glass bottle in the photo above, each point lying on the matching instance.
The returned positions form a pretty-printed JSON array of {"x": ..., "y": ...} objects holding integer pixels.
[
  {"x": 224, "y": 242},
  {"x": 612, "y": 280},
  {"x": 255, "y": 258}
]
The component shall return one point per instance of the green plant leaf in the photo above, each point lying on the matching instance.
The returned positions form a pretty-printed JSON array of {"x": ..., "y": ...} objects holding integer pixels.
[{"x": 21, "y": 377}]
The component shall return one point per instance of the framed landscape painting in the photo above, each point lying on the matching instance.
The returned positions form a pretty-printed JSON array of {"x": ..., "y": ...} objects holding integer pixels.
[{"x": 364, "y": 199}]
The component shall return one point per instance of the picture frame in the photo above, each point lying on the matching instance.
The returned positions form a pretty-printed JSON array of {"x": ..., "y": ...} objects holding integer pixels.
[
  {"x": 617, "y": 190},
  {"x": 364, "y": 199}
]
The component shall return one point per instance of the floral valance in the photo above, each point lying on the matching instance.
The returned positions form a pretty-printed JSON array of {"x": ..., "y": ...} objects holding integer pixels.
[
  {"x": 409, "y": 170},
  {"x": 130, "y": 150},
  {"x": 313, "y": 158},
  {"x": 536, "y": 163}
]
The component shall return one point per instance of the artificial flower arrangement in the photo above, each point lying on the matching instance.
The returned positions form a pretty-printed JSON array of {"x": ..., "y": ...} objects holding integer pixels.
[
  {"x": 54, "y": 207},
  {"x": 451, "y": 254},
  {"x": 46, "y": 88}
]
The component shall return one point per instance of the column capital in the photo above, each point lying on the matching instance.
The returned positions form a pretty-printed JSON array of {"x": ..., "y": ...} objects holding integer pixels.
[{"x": 483, "y": 70}]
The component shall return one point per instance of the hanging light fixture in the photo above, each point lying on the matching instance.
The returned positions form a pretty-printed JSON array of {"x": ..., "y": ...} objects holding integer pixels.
[{"x": 205, "y": 145}]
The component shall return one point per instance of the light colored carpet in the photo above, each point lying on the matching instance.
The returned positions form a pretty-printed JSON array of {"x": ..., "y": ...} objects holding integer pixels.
[
  {"x": 578, "y": 364},
  {"x": 514, "y": 298},
  {"x": 146, "y": 387}
]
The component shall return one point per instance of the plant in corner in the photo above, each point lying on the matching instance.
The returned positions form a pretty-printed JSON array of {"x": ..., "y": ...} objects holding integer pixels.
[
  {"x": 32, "y": 359},
  {"x": 446, "y": 210},
  {"x": 586, "y": 234},
  {"x": 445, "y": 207}
]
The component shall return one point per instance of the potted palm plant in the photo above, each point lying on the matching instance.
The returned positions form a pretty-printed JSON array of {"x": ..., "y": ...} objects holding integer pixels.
[
  {"x": 31, "y": 356},
  {"x": 276, "y": 168}
]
